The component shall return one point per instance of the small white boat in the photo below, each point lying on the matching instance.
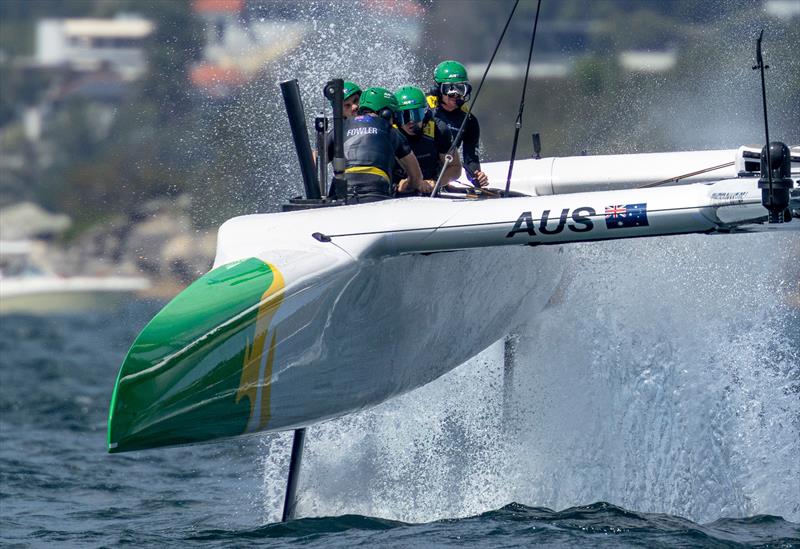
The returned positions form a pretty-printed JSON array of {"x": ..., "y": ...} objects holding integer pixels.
[{"x": 26, "y": 287}]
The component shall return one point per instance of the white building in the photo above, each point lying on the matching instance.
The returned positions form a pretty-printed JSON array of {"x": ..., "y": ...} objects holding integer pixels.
[
  {"x": 88, "y": 44},
  {"x": 648, "y": 61},
  {"x": 783, "y": 9}
]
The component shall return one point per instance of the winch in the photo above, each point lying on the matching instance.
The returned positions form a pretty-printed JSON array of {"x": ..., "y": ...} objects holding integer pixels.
[{"x": 776, "y": 181}]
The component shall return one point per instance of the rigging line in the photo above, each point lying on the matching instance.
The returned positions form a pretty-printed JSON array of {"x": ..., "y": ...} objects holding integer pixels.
[
  {"x": 684, "y": 176},
  {"x": 518, "y": 123},
  {"x": 457, "y": 138}
]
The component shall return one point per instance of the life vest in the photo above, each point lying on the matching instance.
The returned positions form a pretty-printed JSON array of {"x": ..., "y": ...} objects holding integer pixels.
[
  {"x": 423, "y": 145},
  {"x": 369, "y": 153}
]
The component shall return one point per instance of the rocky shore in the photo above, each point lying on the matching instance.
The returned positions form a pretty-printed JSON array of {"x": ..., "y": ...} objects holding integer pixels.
[{"x": 156, "y": 240}]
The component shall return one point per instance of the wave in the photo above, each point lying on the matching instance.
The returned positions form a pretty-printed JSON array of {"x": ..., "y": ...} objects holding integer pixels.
[{"x": 520, "y": 525}]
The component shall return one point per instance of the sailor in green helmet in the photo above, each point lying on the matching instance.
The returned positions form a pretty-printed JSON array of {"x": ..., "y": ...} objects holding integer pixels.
[
  {"x": 447, "y": 99},
  {"x": 429, "y": 138},
  {"x": 371, "y": 148},
  {"x": 352, "y": 95}
]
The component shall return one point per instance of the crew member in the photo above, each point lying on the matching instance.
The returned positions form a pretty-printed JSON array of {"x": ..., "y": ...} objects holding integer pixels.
[
  {"x": 429, "y": 138},
  {"x": 448, "y": 99},
  {"x": 371, "y": 146},
  {"x": 351, "y": 94}
]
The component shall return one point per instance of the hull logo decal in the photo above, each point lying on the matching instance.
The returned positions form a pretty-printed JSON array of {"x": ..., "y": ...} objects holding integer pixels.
[
  {"x": 258, "y": 357},
  {"x": 628, "y": 215},
  {"x": 581, "y": 222}
]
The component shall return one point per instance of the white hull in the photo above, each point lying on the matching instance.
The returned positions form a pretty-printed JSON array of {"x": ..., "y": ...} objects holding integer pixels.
[
  {"x": 314, "y": 314},
  {"x": 368, "y": 300},
  {"x": 380, "y": 331},
  {"x": 50, "y": 294}
]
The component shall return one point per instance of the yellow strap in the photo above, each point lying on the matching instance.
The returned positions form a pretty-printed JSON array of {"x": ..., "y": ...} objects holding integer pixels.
[
  {"x": 369, "y": 169},
  {"x": 433, "y": 102},
  {"x": 429, "y": 129}
]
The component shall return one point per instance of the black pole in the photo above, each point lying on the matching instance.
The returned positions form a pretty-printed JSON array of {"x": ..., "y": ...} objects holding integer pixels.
[
  {"x": 297, "y": 122},
  {"x": 537, "y": 146},
  {"x": 760, "y": 65},
  {"x": 510, "y": 346},
  {"x": 290, "y": 502},
  {"x": 518, "y": 122},
  {"x": 321, "y": 127},
  {"x": 334, "y": 92}
]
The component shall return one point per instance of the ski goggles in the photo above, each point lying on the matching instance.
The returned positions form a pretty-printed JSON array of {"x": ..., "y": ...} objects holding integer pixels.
[
  {"x": 410, "y": 115},
  {"x": 456, "y": 89}
]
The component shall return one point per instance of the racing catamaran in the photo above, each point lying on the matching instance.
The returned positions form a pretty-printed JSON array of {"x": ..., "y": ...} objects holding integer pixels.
[
  {"x": 283, "y": 331},
  {"x": 327, "y": 309}
]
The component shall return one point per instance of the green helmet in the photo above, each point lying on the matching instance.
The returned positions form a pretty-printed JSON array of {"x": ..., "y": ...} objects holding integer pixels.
[
  {"x": 411, "y": 105},
  {"x": 377, "y": 99},
  {"x": 409, "y": 97},
  {"x": 450, "y": 71},
  {"x": 350, "y": 88}
]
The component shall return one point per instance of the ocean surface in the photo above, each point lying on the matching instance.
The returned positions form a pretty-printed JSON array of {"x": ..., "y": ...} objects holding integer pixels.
[{"x": 655, "y": 406}]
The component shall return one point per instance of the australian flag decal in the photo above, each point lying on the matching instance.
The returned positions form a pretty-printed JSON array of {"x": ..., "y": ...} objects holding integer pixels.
[{"x": 628, "y": 215}]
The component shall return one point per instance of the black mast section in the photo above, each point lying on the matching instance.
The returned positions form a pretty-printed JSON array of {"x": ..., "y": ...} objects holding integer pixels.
[{"x": 760, "y": 65}]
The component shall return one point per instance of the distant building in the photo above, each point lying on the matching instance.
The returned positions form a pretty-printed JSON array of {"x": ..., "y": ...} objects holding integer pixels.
[
  {"x": 648, "y": 61},
  {"x": 89, "y": 44},
  {"x": 223, "y": 25},
  {"x": 783, "y": 9},
  {"x": 544, "y": 67},
  {"x": 237, "y": 45}
]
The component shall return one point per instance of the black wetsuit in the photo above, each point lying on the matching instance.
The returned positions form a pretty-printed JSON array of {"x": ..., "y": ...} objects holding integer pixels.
[
  {"x": 433, "y": 139},
  {"x": 470, "y": 156},
  {"x": 370, "y": 147}
]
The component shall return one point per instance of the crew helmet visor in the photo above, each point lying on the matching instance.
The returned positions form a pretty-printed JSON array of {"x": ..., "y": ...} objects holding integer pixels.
[
  {"x": 456, "y": 89},
  {"x": 411, "y": 115}
]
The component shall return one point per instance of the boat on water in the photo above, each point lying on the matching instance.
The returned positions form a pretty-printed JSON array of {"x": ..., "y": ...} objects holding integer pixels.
[
  {"x": 328, "y": 308},
  {"x": 26, "y": 286},
  {"x": 313, "y": 314}
]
